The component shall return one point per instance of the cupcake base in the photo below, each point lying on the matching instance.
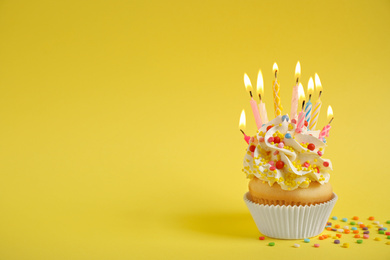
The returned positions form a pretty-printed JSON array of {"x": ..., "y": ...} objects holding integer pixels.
[{"x": 290, "y": 222}]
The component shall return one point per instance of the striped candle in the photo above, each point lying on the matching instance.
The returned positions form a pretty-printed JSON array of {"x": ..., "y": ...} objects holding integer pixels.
[
  {"x": 324, "y": 132},
  {"x": 314, "y": 115},
  {"x": 276, "y": 90},
  {"x": 308, "y": 110},
  {"x": 301, "y": 122}
]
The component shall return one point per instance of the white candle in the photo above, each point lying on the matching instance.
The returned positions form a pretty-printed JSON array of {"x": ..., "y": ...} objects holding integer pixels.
[{"x": 295, "y": 97}]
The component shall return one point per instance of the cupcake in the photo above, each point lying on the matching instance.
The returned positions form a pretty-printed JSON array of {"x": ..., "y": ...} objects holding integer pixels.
[{"x": 289, "y": 196}]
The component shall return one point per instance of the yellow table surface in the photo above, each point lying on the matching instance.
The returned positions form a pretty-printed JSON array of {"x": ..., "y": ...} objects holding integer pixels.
[{"x": 119, "y": 123}]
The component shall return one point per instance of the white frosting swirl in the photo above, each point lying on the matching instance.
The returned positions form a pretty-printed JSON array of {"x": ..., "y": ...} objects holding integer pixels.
[{"x": 301, "y": 165}]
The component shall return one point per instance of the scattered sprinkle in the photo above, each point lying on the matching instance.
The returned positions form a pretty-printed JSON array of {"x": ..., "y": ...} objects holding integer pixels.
[
  {"x": 388, "y": 222},
  {"x": 306, "y": 240},
  {"x": 329, "y": 223},
  {"x": 387, "y": 233},
  {"x": 359, "y": 241},
  {"x": 357, "y": 236},
  {"x": 359, "y": 223},
  {"x": 354, "y": 228},
  {"x": 366, "y": 232},
  {"x": 375, "y": 222},
  {"x": 340, "y": 230},
  {"x": 334, "y": 218},
  {"x": 371, "y": 218},
  {"x": 388, "y": 237},
  {"x": 297, "y": 245},
  {"x": 378, "y": 239},
  {"x": 271, "y": 243},
  {"x": 337, "y": 226},
  {"x": 261, "y": 238},
  {"x": 365, "y": 228},
  {"x": 316, "y": 245},
  {"x": 344, "y": 219},
  {"x": 346, "y": 227},
  {"x": 355, "y": 218},
  {"x": 337, "y": 241},
  {"x": 352, "y": 223},
  {"x": 366, "y": 236},
  {"x": 381, "y": 232},
  {"x": 338, "y": 235},
  {"x": 346, "y": 245}
]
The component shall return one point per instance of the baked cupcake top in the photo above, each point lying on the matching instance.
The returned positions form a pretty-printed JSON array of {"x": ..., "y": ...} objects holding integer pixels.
[{"x": 279, "y": 154}]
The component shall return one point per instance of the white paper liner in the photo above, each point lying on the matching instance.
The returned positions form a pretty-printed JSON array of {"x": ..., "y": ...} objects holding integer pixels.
[{"x": 291, "y": 222}]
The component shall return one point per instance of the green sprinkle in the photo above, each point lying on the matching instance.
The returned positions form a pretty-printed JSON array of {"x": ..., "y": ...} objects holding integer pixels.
[
  {"x": 271, "y": 244},
  {"x": 359, "y": 241},
  {"x": 388, "y": 237},
  {"x": 381, "y": 231},
  {"x": 352, "y": 223},
  {"x": 388, "y": 222}
]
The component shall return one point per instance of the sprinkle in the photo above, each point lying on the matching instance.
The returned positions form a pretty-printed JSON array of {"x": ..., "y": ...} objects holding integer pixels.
[
  {"x": 321, "y": 238},
  {"x": 356, "y": 231},
  {"x": 337, "y": 226},
  {"x": 387, "y": 233},
  {"x": 340, "y": 230},
  {"x": 306, "y": 240},
  {"x": 366, "y": 236},
  {"x": 375, "y": 222},
  {"x": 319, "y": 153},
  {"x": 334, "y": 218},
  {"x": 316, "y": 245},
  {"x": 347, "y": 231},
  {"x": 329, "y": 228},
  {"x": 261, "y": 238},
  {"x": 362, "y": 225},
  {"x": 355, "y": 218},
  {"x": 346, "y": 245},
  {"x": 380, "y": 229},
  {"x": 381, "y": 232},
  {"x": 359, "y": 223},
  {"x": 380, "y": 225},
  {"x": 371, "y": 218},
  {"x": 388, "y": 237},
  {"x": 329, "y": 223},
  {"x": 271, "y": 243},
  {"x": 352, "y": 223},
  {"x": 288, "y": 135},
  {"x": 297, "y": 245},
  {"x": 334, "y": 229},
  {"x": 346, "y": 227},
  {"x": 359, "y": 241},
  {"x": 365, "y": 228},
  {"x": 337, "y": 241},
  {"x": 338, "y": 235},
  {"x": 357, "y": 236},
  {"x": 385, "y": 228},
  {"x": 378, "y": 239},
  {"x": 366, "y": 232},
  {"x": 344, "y": 220},
  {"x": 388, "y": 243},
  {"x": 354, "y": 228},
  {"x": 388, "y": 222}
]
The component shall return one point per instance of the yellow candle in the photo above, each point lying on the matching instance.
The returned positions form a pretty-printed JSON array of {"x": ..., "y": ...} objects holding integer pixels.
[
  {"x": 276, "y": 90},
  {"x": 317, "y": 105}
]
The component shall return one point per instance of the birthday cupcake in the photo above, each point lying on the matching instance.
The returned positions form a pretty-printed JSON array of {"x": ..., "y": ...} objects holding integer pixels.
[{"x": 289, "y": 196}]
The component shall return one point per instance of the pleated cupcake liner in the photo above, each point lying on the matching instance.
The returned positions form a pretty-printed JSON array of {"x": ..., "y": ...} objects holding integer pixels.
[{"x": 291, "y": 222}]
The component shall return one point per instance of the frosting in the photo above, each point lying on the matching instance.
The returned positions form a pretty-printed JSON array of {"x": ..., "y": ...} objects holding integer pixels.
[{"x": 279, "y": 154}]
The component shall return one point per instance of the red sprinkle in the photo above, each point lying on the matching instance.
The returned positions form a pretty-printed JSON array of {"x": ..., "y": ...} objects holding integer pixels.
[
  {"x": 306, "y": 164},
  {"x": 272, "y": 168},
  {"x": 316, "y": 245},
  {"x": 326, "y": 164},
  {"x": 269, "y": 127},
  {"x": 294, "y": 121},
  {"x": 261, "y": 238},
  {"x": 276, "y": 139},
  {"x": 306, "y": 123},
  {"x": 271, "y": 139},
  {"x": 279, "y": 165},
  {"x": 252, "y": 148},
  {"x": 311, "y": 147},
  {"x": 319, "y": 153}
]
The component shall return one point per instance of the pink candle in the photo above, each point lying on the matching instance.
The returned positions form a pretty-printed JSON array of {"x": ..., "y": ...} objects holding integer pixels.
[
  {"x": 301, "y": 122},
  {"x": 295, "y": 95},
  {"x": 260, "y": 91},
  {"x": 256, "y": 113},
  {"x": 324, "y": 132}
]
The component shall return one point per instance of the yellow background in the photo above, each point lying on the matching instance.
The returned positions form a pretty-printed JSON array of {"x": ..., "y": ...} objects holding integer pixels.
[{"x": 119, "y": 122}]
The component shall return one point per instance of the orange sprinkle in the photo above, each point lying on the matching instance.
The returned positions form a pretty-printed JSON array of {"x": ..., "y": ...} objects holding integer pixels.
[
  {"x": 321, "y": 237},
  {"x": 329, "y": 228},
  {"x": 355, "y": 218},
  {"x": 357, "y": 236},
  {"x": 337, "y": 226},
  {"x": 325, "y": 236},
  {"x": 338, "y": 235},
  {"x": 347, "y": 231},
  {"x": 371, "y": 218},
  {"x": 362, "y": 225},
  {"x": 356, "y": 231}
]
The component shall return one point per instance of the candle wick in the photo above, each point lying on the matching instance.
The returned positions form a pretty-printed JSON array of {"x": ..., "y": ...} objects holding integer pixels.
[
  {"x": 242, "y": 132},
  {"x": 276, "y": 74},
  {"x": 309, "y": 97},
  {"x": 297, "y": 80},
  {"x": 250, "y": 93},
  {"x": 331, "y": 120},
  {"x": 260, "y": 97},
  {"x": 303, "y": 104},
  {"x": 320, "y": 94}
]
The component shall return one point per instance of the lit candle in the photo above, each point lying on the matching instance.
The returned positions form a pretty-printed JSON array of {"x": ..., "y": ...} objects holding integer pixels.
[
  {"x": 310, "y": 90},
  {"x": 295, "y": 97},
  {"x": 253, "y": 103},
  {"x": 301, "y": 116},
  {"x": 241, "y": 126},
  {"x": 325, "y": 131},
  {"x": 276, "y": 90},
  {"x": 317, "y": 105},
  {"x": 260, "y": 91}
]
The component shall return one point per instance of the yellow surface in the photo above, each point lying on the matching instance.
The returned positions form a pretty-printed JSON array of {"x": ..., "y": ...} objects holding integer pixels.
[{"x": 119, "y": 123}]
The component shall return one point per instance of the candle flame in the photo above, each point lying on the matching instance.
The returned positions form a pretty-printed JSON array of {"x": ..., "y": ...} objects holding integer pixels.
[
  {"x": 298, "y": 70},
  {"x": 247, "y": 82},
  {"x": 330, "y": 112},
  {"x": 318, "y": 83},
  {"x": 242, "y": 123},
  {"x": 275, "y": 67},
  {"x": 260, "y": 83},
  {"x": 301, "y": 93},
  {"x": 310, "y": 86}
]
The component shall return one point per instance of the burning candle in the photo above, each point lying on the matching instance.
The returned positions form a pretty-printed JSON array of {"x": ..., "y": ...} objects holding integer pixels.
[
  {"x": 295, "y": 97},
  {"x": 276, "y": 90},
  {"x": 260, "y": 91},
  {"x": 317, "y": 105},
  {"x": 310, "y": 90},
  {"x": 255, "y": 110},
  {"x": 241, "y": 126},
  {"x": 301, "y": 116},
  {"x": 325, "y": 131}
]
